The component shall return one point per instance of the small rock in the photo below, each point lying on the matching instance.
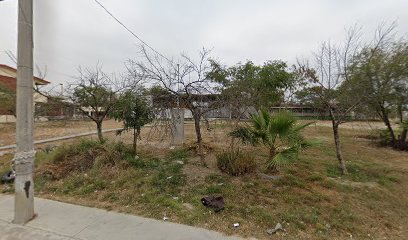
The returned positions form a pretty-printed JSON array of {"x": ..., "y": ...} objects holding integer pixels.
[
  {"x": 172, "y": 147},
  {"x": 236, "y": 225},
  {"x": 165, "y": 218},
  {"x": 175, "y": 198},
  {"x": 180, "y": 162}
]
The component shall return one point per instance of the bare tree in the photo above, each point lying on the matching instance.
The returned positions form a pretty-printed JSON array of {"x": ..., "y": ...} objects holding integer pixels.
[
  {"x": 95, "y": 93},
  {"x": 186, "y": 80},
  {"x": 383, "y": 72},
  {"x": 332, "y": 67}
]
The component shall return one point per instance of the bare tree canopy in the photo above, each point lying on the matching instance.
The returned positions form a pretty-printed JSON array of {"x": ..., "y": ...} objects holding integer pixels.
[
  {"x": 332, "y": 67},
  {"x": 95, "y": 93},
  {"x": 186, "y": 79},
  {"x": 381, "y": 79}
]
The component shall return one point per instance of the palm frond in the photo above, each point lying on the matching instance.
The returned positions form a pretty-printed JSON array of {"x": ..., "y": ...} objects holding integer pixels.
[
  {"x": 293, "y": 135},
  {"x": 245, "y": 135},
  {"x": 309, "y": 144},
  {"x": 282, "y": 123},
  {"x": 284, "y": 157},
  {"x": 272, "y": 131},
  {"x": 300, "y": 127}
]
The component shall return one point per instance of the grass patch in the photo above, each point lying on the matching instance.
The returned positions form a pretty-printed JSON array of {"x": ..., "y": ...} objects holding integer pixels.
[
  {"x": 365, "y": 173},
  {"x": 236, "y": 163},
  {"x": 312, "y": 200}
]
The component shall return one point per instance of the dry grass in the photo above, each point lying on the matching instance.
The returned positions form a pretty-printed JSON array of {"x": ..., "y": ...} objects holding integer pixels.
[
  {"x": 50, "y": 129},
  {"x": 311, "y": 200}
]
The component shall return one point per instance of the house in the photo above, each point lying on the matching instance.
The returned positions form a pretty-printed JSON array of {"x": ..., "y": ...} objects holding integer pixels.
[{"x": 8, "y": 87}]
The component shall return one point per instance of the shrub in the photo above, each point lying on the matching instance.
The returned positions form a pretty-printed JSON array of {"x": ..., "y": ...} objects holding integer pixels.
[
  {"x": 280, "y": 133},
  {"x": 236, "y": 162},
  {"x": 83, "y": 156}
]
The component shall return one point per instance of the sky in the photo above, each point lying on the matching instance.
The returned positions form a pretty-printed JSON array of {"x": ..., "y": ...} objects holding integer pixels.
[{"x": 68, "y": 34}]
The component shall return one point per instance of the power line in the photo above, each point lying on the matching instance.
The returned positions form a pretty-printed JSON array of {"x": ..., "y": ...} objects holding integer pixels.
[{"x": 130, "y": 31}]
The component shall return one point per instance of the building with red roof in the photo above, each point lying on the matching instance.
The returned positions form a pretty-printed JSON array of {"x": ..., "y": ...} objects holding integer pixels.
[{"x": 8, "y": 87}]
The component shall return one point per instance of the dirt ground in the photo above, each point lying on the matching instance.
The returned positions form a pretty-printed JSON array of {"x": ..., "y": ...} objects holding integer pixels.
[
  {"x": 51, "y": 129},
  {"x": 356, "y": 125}
]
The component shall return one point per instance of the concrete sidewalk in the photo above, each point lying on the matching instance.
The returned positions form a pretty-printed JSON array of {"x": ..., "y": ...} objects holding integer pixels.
[{"x": 61, "y": 221}]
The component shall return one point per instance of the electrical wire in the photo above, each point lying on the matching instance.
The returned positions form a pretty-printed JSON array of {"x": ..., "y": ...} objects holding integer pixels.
[{"x": 130, "y": 31}]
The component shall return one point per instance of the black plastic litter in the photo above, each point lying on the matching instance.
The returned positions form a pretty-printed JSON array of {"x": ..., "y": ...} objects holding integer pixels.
[
  {"x": 216, "y": 203},
  {"x": 8, "y": 177}
]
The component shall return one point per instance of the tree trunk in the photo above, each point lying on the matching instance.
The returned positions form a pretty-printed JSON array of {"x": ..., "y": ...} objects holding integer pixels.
[
  {"x": 197, "y": 117},
  {"x": 272, "y": 153},
  {"x": 99, "y": 129},
  {"x": 339, "y": 155},
  {"x": 400, "y": 114},
  {"x": 387, "y": 123},
  {"x": 402, "y": 143},
  {"x": 134, "y": 141}
]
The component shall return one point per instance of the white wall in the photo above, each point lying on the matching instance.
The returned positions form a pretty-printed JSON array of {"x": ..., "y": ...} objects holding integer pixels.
[{"x": 7, "y": 119}]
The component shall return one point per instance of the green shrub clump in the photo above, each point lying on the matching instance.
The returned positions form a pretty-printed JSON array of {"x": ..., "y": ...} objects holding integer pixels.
[{"x": 236, "y": 162}]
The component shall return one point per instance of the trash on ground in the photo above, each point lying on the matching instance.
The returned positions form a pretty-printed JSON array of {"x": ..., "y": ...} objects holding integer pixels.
[
  {"x": 165, "y": 218},
  {"x": 8, "y": 177},
  {"x": 277, "y": 228},
  {"x": 236, "y": 225},
  {"x": 216, "y": 203}
]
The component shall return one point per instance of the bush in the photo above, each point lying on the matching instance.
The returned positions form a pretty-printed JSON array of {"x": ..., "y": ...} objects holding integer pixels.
[
  {"x": 236, "y": 163},
  {"x": 83, "y": 156}
]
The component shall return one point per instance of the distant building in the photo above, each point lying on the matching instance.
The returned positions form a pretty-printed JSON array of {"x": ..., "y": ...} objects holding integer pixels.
[
  {"x": 8, "y": 85},
  {"x": 301, "y": 111}
]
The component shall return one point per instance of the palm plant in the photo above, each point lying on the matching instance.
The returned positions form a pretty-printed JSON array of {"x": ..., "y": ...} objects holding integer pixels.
[{"x": 280, "y": 133}]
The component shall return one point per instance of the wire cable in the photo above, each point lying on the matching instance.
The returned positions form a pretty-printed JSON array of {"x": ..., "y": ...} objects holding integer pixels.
[{"x": 130, "y": 31}]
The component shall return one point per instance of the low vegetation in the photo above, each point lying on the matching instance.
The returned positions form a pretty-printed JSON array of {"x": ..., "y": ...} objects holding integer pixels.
[
  {"x": 236, "y": 163},
  {"x": 311, "y": 198},
  {"x": 280, "y": 133}
]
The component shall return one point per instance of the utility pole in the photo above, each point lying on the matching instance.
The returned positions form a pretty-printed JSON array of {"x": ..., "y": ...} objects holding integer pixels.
[{"x": 24, "y": 158}]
